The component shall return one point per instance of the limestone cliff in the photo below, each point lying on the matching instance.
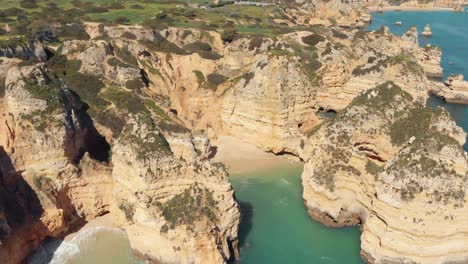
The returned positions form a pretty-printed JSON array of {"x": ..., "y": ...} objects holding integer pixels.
[
  {"x": 393, "y": 166},
  {"x": 64, "y": 174},
  {"x": 341, "y": 13},
  {"x": 47, "y": 134},
  {"x": 172, "y": 210},
  {"x": 453, "y": 90},
  {"x": 242, "y": 89}
]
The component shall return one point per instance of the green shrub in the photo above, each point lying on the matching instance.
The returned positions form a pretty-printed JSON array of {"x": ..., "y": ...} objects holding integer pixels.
[
  {"x": 416, "y": 124},
  {"x": 256, "y": 42},
  {"x": 130, "y": 101},
  {"x": 72, "y": 31},
  {"x": 128, "y": 209},
  {"x": 228, "y": 34},
  {"x": 114, "y": 62},
  {"x": 161, "y": 44},
  {"x": 172, "y": 127},
  {"x": 135, "y": 84},
  {"x": 2, "y": 87},
  {"x": 125, "y": 55},
  {"x": 62, "y": 66},
  {"x": 192, "y": 205},
  {"x": 203, "y": 49},
  {"x": 198, "y": 46},
  {"x": 136, "y": 6},
  {"x": 111, "y": 121},
  {"x": 313, "y": 39},
  {"x": 200, "y": 77},
  {"x": 248, "y": 77},
  {"x": 129, "y": 35},
  {"x": 214, "y": 80},
  {"x": 373, "y": 168},
  {"x": 338, "y": 34},
  {"x": 86, "y": 86},
  {"x": 121, "y": 20},
  {"x": 147, "y": 145},
  {"x": 29, "y": 4}
]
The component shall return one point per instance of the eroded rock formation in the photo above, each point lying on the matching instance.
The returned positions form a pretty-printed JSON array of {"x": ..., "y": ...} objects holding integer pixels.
[
  {"x": 395, "y": 167},
  {"x": 60, "y": 166}
]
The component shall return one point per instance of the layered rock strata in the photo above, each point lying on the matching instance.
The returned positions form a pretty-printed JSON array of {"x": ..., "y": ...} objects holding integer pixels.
[
  {"x": 453, "y": 90},
  {"x": 393, "y": 166},
  {"x": 60, "y": 166}
]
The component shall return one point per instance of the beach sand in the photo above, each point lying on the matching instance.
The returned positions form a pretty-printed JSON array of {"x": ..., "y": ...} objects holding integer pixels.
[
  {"x": 241, "y": 156},
  {"x": 102, "y": 221}
]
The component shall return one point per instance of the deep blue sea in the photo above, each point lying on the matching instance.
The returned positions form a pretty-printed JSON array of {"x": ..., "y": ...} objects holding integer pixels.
[{"x": 450, "y": 32}]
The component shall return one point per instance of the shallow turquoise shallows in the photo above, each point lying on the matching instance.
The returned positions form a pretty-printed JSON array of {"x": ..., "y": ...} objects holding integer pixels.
[
  {"x": 450, "y": 32},
  {"x": 275, "y": 227}
]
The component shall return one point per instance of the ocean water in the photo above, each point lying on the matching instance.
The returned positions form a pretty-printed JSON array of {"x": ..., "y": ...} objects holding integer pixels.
[
  {"x": 275, "y": 227},
  {"x": 450, "y": 32}
]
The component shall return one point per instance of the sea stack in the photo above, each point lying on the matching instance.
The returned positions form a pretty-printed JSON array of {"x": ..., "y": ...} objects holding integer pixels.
[
  {"x": 427, "y": 31},
  {"x": 380, "y": 9}
]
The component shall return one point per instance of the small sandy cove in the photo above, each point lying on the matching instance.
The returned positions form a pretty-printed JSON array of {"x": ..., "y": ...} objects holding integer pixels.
[
  {"x": 101, "y": 221},
  {"x": 238, "y": 155},
  {"x": 241, "y": 156}
]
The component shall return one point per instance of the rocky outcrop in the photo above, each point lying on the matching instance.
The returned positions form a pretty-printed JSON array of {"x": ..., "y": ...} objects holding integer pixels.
[
  {"x": 270, "y": 111},
  {"x": 173, "y": 211},
  {"x": 48, "y": 133},
  {"x": 335, "y": 12},
  {"x": 180, "y": 75},
  {"x": 23, "y": 50},
  {"x": 61, "y": 168},
  {"x": 393, "y": 166},
  {"x": 453, "y": 90}
]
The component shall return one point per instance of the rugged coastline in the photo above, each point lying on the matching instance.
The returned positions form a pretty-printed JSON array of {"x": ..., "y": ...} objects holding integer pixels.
[{"x": 121, "y": 122}]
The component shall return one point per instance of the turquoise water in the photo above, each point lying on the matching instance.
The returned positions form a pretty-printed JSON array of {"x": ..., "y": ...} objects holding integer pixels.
[
  {"x": 450, "y": 32},
  {"x": 275, "y": 227}
]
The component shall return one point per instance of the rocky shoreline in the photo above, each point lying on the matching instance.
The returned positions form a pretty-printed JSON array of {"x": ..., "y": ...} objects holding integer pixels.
[{"x": 120, "y": 123}]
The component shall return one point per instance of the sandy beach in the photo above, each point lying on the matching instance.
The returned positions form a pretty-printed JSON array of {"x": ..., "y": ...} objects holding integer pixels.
[
  {"x": 241, "y": 156},
  {"x": 102, "y": 221}
]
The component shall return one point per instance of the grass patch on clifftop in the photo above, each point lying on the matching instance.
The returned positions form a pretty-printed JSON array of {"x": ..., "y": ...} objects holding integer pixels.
[
  {"x": 194, "y": 204},
  {"x": 145, "y": 138}
]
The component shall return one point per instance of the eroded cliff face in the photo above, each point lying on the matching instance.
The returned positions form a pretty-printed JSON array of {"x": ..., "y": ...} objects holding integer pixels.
[
  {"x": 157, "y": 97},
  {"x": 394, "y": 166},
  {"x": 340, "y": 13},
  {"x": 262, "y": 90},
  {"x": 47, "y": 133},
  {"x": 453, "y": 90},
  {"x": 174, "y": 211},
  {"x": 60, "y": 167}
]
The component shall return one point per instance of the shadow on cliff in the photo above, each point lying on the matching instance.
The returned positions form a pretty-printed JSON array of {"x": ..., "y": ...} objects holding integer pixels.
[
  {"x": 82, "y": 136},
  {"x": 246, "y": 222},
  {"x": 20, "y": 211}
]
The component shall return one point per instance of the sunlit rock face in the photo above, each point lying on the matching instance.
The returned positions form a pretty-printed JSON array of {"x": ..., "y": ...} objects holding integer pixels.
[{"x": 394, "y": 166}]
